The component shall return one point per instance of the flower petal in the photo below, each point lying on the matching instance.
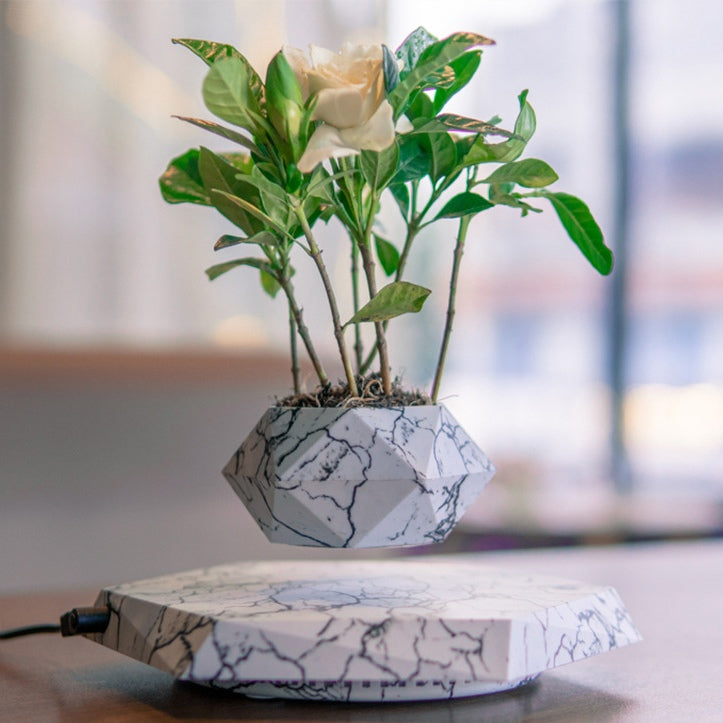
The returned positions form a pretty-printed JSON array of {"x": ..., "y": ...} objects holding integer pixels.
[
  {"x": 364, "y": 52},
  {"x": 341, "y": 107},
  {"x": 326, "y": 142},
  {"x": 321, "y": 56},
  {"x": 374, "y": 135}
]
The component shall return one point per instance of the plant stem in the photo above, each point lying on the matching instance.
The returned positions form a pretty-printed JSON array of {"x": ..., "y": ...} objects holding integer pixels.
[
  {"x": 358, "y": 346},
  {"x": 364, "y": 368},
  {"x": 412, "y": 232},
  {"x": 352, "y": 193},
  {"x": 364, "y": 243},
  {"x": 336, "y": 321},
  {"x": 294, "y": 351},
  {"x": 458, "y": 252},
  {"x": 384, "y": 368},
  {"x": 303, "y": 331}
]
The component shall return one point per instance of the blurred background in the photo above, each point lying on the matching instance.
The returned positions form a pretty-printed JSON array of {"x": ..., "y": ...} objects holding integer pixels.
[{"x": 127, "y": 380}]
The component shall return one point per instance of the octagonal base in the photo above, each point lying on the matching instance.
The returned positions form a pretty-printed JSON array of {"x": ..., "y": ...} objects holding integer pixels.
[
  {"x": 362, "y": 631},
  {"x": 373, "y": 691}
]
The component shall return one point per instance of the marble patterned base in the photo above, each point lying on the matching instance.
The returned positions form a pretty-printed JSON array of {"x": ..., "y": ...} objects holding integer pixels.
[
  {"x": 374, "y": 691},
  {"x": 362, "y": 631}
]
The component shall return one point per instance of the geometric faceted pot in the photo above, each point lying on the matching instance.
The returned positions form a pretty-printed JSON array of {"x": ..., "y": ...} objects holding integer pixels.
[{"x": 358, "y": 477}]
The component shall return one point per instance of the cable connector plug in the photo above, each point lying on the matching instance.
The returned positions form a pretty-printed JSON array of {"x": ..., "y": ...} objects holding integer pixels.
[{"x": 84, "y": 620}]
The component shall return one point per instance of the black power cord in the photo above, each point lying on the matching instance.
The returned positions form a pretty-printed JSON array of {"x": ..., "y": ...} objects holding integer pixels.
[
  {"x": 29, "y": 630},
  {"x": 75, "y": 622}
]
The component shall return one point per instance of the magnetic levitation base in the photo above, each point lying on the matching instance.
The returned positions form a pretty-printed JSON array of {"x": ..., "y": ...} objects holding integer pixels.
[{"x": 369, "y": 631}]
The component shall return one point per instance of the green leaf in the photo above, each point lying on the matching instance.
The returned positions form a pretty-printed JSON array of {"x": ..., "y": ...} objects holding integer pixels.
[
  {"x": 327, "y": 213},
  {"x": 263, "y": 238},
  {"x": 526, "y": 122},
  {"x": 214, "y": 272},
  {"x": 241, "y": 161},
  {"x": 294, "y": 178},
  {"x": 399, "y": 297},
  {"x": 244, "y": 205},
  {"x": 220, "y": 176},
  {"x": 530, "y": 173},
  {"x": 391, "y": 71},
  {"x": 471, "y": 125},
  {"x": 464, "y": 69},
  {"x": 464, "y": 204},
  {"x": 442, "y": 154},
  {"x": 464, "y": 144},
  {"x": 269, "y": 284},
  {"x": 379, "y": 167},
  {"x": 500, "y": 194},
  {"x": 182, "y": 183},
  {"x": 218, "y": 130},
  {"x": 400, "y": 192},
  {"x": 413, "y": 161},
  {"x": 227, "y": 93},
  {"x": 421, "y": 107},
  {"x": 509, "y": 150},
  {"x": 387, "y": 254},
  {"x": 432, "y": 60},
  {"x": 274, "y": 200},
  {"x": 210, "y": 52},
  {"x": 207, "y": 50},
  {"x": 442, "y": 78},
  {"x": 313, "y": 210},
  {"x": 412, "y": 47},
  {"x": 582, "y": 228},
  {"x": 321, "y": 185}
]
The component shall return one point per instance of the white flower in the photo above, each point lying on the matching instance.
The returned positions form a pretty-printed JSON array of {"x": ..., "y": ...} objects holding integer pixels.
[{"x": 350, "y": 100}]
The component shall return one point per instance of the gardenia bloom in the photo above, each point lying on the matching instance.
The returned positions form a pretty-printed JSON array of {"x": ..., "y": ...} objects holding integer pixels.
[{"x": 351, "y": 102}]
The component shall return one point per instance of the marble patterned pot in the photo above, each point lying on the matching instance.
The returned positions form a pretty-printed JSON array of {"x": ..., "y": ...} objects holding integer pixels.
[{"x": 358, "y": 477}]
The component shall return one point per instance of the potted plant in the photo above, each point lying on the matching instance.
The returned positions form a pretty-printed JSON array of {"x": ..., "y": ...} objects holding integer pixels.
[{"x": 332, "y": 136}]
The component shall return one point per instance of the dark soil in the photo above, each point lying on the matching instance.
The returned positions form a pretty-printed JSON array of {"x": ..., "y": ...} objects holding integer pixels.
[{"x": 371, "y": 394}]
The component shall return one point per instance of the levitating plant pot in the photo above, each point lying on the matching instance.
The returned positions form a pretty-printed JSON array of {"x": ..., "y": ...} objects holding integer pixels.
[{"x": 358, "y": 477}]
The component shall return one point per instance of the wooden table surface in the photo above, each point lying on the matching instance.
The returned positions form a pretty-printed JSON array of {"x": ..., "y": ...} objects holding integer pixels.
[{"x": 674, "y": 591}]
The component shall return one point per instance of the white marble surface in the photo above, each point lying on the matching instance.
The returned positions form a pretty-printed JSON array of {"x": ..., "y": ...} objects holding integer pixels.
[
  {"x": 382, "y": 630},
  {"x": 359, "y": 477}
]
